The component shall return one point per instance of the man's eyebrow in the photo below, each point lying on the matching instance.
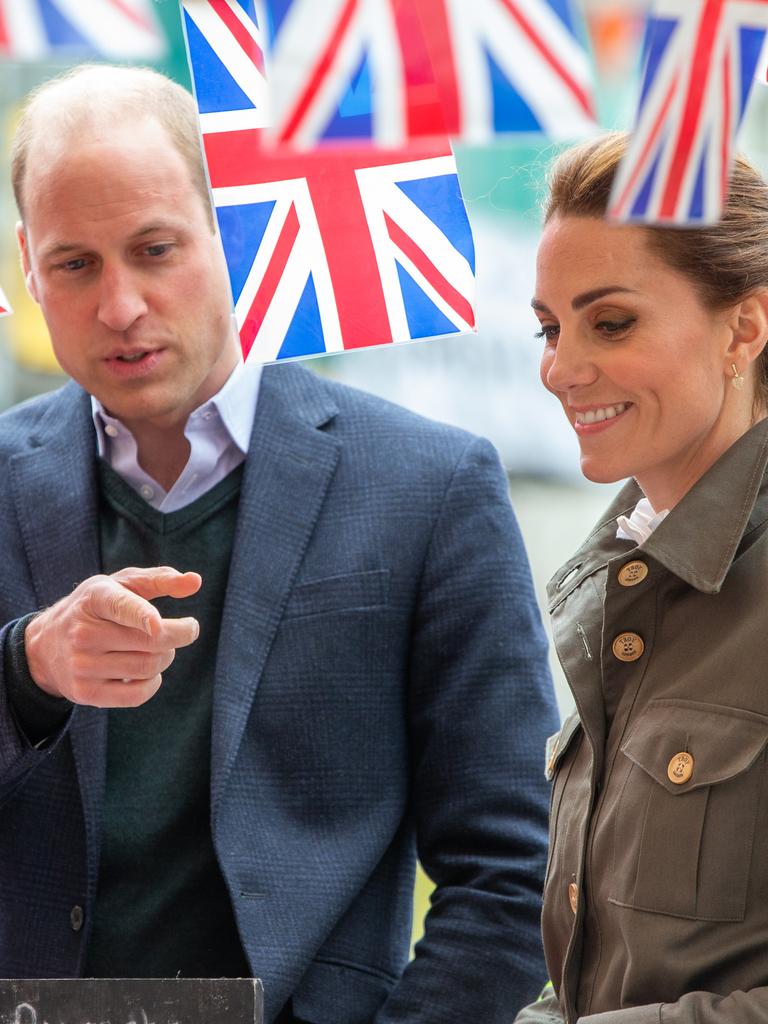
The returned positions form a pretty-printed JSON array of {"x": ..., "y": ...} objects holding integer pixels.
[{"x": 585, "y": 298}]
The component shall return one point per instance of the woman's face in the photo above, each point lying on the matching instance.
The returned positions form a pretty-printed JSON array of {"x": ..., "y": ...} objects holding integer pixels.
[{"x": 639, "y": 365}]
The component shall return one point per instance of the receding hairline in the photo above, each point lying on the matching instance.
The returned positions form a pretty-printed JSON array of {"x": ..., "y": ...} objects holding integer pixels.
[{"x": 92, "y": 98}]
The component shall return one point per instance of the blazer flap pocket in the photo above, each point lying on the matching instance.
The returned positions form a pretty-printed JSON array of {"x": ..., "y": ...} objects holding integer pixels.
[
  {"x": 560, "y": 742},
  {"x": 684, "y": 745},
  {"x": 355, "y": 591},
  {"x": 335, "y": 993}
]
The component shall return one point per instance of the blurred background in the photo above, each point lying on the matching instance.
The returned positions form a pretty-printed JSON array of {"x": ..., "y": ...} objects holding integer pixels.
[{"x": 486, "y": 383}]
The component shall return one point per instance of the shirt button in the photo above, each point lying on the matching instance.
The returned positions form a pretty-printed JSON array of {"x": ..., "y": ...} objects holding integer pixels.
[
  {"x": 111, "y": 430},
  {"x": 573, "y": 896},
  {"x": 147, "y": 492},
  {"x": 76, "y": 917},
  {"x": 632, "y": 573},
  {"x": 680, "y": 768},
  {"x": 628, "y": 647}
]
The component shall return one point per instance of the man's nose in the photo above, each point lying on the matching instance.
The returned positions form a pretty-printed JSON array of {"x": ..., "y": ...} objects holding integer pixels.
[
  {"x": 121, "y": 299},
  {"x": 572, "y": 364}
]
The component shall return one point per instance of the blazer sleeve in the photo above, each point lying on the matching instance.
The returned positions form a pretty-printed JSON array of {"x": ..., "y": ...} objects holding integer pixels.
[{"x": 481, "y": 705}]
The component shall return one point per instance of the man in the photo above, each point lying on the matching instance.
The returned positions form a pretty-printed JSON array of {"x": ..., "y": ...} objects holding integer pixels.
[{"x": 369, "y": 677}]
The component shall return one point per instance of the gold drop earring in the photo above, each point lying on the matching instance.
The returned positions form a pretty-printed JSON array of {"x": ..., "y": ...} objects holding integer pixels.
[{"x": 737, "y": 381}]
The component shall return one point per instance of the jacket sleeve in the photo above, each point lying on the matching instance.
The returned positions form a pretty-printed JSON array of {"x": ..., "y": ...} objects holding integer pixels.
[
  {"x": 546, "y": 1010},
  {"x": 703, "y": 1007},
  {"x": 481, "y": 705},
  {"x": 30, "y": 724}
]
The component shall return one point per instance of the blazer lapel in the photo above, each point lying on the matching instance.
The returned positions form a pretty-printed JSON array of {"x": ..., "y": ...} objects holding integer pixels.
[
  {"x": 56, "y": 500},
  {"x": 54, "y": 492},
  {"x": 290, "y": 465}
]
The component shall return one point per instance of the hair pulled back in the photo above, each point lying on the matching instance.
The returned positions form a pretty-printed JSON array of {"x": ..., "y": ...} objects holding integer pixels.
[{"x": 725, "y": 262}]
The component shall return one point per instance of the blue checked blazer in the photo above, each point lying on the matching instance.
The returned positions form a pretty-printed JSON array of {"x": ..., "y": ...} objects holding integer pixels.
[{"x": 381, "y": 689}]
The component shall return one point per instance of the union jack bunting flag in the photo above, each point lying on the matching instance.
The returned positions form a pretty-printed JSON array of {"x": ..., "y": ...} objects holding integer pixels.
[
  {"x": 5, "y": 306},
  {"x": 113, "y": 29},
  {"x": 699, "y": 66},
  {"x": 392, "y": 70},
  {"x": 226, "y": 48},
  {"x": 341, "y": 249}
]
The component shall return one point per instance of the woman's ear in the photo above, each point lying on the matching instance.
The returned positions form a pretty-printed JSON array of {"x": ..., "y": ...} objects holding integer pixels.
[{"x": 749, "y": 330}]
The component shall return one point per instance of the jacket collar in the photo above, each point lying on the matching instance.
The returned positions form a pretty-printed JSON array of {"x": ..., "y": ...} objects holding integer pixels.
[
  {"x": 698, "y": 540},
  {"x": 700, "y": 537}
]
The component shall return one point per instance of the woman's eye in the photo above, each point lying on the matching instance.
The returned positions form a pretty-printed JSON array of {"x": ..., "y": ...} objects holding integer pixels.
[
  {"x": 614, "y": 326},
  {"x": 548, "y": 331}
]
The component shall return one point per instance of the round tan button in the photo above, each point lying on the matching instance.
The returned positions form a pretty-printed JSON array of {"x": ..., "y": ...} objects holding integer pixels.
[
  {"x": 680, "y": 768},
  {"x": 632, "y": 573},
  {"x": 573, "y": 896},
  {"x": 628, "y": 647}
]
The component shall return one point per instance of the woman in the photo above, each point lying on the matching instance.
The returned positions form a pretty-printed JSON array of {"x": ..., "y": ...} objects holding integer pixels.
[{"x": 654, "y": 342}]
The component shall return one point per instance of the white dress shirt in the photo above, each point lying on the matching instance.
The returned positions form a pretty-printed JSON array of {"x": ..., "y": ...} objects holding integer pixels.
[
  {"x": 218, "y": 433},
  {"x": 641, "y": 523}
]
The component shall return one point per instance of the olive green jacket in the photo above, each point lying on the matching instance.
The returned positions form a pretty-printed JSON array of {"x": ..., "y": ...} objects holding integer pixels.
[{"x": 656, "y": 898}]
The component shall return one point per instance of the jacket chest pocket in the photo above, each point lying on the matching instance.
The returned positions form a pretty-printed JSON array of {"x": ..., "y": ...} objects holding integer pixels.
[{"x": 685, "y": 819}]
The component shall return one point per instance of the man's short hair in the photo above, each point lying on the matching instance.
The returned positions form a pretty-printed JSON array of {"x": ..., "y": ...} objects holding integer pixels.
[{"x": 94, "y": 95}]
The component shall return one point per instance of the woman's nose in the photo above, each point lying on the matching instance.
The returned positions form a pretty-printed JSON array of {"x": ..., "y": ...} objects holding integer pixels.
[{"x": 569, "y": 365}]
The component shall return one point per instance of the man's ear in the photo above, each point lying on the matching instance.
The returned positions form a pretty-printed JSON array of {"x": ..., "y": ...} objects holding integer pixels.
[
  {"x": 749, "y": 327},
  {"x": 29, "y": 277}
]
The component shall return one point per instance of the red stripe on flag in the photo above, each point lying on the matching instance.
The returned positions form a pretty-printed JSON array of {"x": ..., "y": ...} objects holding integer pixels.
[
  {"x": 583, "y": 98},
  {"x": 432, "y": 97},
  {"x": 131, "y": 14},
  {"x": 725, "y": 168},
  {"x": 618, "y": 208},
  {"x": 266, "y": 290},
  {"x": 240, "y": 33},
  {"x": 5, "y": 42},
  {"x": 326, "y": 60},
  {"x": 700, "y": 66},
  {"x": 426, "y": 267},
  {"x": 351, "y": 260}
]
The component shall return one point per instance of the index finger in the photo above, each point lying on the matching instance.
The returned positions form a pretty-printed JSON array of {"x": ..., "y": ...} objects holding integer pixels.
[
  {"x": 159, "y": 581},
  {"x": 110, "y": 601}
]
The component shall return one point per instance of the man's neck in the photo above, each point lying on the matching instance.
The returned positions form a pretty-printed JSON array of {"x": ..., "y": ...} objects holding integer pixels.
[{"x": 162, "y": 452}]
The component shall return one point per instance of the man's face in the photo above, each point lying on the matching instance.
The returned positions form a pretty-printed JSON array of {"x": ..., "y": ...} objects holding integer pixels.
[{"x": 118, "y": 250}]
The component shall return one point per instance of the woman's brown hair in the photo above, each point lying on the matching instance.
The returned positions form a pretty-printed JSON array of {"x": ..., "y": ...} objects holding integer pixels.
[{"x": 725, "y": 262}]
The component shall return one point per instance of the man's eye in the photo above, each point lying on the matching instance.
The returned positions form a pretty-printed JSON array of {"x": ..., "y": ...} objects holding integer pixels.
[
  {"x": 76, "y": 264},
  {"x": 160, "y": 249}
]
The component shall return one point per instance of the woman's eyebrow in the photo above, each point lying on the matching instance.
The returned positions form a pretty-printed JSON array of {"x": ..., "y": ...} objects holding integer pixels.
[{"x": 597, "y": 293}]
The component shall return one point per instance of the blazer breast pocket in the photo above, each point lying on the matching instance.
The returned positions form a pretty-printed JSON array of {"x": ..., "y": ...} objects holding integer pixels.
[
  {"x": 685, "y": 820},
  {"x": 349, "y": 592}
]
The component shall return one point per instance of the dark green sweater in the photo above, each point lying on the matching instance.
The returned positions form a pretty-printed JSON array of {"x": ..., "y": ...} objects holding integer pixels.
[{"x": 162, "y": 907}]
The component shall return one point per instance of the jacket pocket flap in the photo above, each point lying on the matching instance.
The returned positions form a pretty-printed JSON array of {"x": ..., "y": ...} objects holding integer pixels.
[
  {"x": 331, "y": 993},
  {"x": 719, "y": 743},
  {"x": 354, "y": 591},
  {"x": 559, "y": 743}
]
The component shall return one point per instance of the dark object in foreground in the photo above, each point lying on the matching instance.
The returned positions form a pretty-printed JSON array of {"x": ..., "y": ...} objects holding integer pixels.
[{"x": 132, "y": 1001}]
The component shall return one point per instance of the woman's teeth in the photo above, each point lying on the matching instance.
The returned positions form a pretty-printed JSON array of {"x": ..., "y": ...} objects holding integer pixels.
[{"x": 606, "y": 412}]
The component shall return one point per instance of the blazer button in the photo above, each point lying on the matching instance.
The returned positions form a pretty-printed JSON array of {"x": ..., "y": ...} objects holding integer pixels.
[
  {"x": 628, "y": 647},
  {"x": 680, "y": 768},
  {"x": 76, "y": 917},
  {"x": 632, "y": 573},
  {"x": 573, "y": 896}
]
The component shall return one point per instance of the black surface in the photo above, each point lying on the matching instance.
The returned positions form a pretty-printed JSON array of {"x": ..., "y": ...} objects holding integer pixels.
[{"x": 131, "y": 1001}]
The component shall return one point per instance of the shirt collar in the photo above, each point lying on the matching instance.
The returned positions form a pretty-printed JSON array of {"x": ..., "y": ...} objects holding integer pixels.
[{"x": 234, "y": 404}]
